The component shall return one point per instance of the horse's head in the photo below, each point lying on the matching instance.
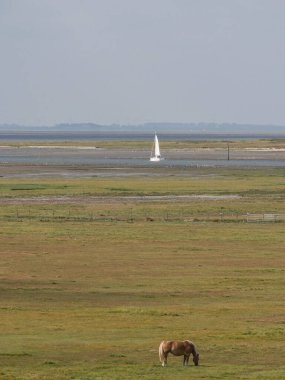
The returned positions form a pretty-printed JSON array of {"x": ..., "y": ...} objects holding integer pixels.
[{"x": 196, "y": 359}]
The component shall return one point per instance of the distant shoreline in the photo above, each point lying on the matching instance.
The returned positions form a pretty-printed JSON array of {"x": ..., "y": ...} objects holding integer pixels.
[{"x": 72, "y": 135}]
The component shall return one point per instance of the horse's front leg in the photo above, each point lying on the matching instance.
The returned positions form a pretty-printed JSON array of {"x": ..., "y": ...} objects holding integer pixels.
[{"x": 185, "y": 360}]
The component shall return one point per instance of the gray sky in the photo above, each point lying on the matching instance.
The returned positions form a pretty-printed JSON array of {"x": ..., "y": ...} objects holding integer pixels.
[{"x": 134, "y": 61}]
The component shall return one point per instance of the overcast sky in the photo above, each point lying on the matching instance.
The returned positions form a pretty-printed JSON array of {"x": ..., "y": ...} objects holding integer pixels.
[{"x": 134, "y": 61}]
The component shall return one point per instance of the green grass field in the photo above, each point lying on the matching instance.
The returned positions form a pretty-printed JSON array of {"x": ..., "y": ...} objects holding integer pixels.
[{"x": 89, "y": 290}]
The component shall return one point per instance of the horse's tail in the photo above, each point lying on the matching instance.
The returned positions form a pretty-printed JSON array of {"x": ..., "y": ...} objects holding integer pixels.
[{"x": 160, "y": 352}]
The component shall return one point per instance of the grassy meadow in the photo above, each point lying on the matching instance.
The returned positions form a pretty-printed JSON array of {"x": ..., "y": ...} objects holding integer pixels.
[{"x": 89, "y": 289}]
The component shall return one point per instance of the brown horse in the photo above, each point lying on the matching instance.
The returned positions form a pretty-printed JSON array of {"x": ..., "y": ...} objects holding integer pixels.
[{"x": 178, "y": 348}]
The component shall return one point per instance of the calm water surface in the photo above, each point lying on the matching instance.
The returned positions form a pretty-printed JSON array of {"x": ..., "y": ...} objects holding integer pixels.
[{"x": 134, "y": 162}]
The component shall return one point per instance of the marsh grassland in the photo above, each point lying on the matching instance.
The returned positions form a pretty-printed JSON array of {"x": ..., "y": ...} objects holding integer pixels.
[{"x": 88, "y": 289}]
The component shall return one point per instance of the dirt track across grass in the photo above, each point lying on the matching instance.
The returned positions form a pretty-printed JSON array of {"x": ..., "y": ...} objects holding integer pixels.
[{"x": 110, "y": 200}]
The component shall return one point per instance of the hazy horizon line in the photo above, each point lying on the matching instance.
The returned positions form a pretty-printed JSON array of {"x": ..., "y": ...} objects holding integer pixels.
[{"x": 166, "y": 123}]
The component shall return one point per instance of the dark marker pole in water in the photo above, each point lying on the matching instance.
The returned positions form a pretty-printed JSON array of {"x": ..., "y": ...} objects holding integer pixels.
[{"x": 228, "y": 151}]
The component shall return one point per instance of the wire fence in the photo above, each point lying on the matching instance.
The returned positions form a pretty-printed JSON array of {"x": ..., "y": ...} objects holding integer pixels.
[{"x": 132, "y": 216}]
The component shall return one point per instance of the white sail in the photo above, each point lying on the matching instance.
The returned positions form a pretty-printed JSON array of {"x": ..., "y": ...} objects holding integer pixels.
[
  {"x": 155, "y": 153},
  {"x": 156, "y": 147}
]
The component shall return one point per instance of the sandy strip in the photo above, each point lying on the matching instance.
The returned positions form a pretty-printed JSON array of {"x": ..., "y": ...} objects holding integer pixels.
[
  {"x": 60, "y": 147},
  {"x": 263, "y": 149}
]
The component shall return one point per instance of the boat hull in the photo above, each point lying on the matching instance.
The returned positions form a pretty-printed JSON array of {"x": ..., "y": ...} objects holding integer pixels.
[{"x": 155, "y": 159}]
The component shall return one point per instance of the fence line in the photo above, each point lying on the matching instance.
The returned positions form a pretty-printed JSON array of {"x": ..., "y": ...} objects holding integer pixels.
[
  {"x": 265, "y": 218},
  {"x": 132, "y": 216}
]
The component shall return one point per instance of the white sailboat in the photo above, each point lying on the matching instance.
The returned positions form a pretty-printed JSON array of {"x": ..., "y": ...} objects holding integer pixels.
[{"x": 155, "y": 151}]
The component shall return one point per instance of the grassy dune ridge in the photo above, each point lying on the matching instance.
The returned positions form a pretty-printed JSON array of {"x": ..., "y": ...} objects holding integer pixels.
[{"x": 92, "y": 299}]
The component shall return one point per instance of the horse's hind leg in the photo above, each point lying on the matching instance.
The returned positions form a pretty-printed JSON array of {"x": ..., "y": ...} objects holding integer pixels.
[{"x": 164, "y": 363}]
